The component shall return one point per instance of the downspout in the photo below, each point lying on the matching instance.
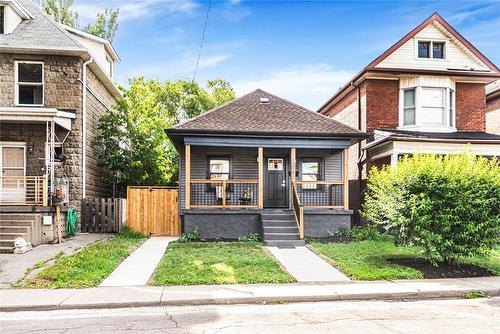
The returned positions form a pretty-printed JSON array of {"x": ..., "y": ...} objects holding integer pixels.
[
  {"x": 84, "y": 127},
  {"x": 360, "y": 161}
]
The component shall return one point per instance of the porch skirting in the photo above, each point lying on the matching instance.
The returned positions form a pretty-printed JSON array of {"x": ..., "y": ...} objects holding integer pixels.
[
  {"x": 222, "y": 223},
  {"x": 234, "y": 223}
]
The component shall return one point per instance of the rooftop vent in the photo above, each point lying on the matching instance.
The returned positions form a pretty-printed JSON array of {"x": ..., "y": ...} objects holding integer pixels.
[{"x": 264, "y": 100}]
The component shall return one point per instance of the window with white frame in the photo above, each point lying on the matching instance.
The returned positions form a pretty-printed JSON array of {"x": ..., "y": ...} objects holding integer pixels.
[
  {"x": 431, "y": 49},
  {"x": 29, "y": 83},
  {"x": 428, "y": 107},
  {"x": 2, "y": 19}
]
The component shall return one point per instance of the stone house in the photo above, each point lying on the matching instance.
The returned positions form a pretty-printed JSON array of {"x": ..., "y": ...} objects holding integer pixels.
[
  {"x": 55, "y": 82},
  {"x": 426, "y": 94}
]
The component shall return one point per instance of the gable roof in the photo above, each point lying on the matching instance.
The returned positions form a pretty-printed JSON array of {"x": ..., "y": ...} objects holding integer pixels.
[
  {"x": 247, "y": 115},
  {"x": 39, "y": 32},
  {"x": 434, "y": 18},
  {"x": 372, "y": 67}
]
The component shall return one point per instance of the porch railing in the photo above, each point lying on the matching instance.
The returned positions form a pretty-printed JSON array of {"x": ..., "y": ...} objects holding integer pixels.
[
  {"x": 298, "y": 210},
  {"x": 224, "y": 194},
  {"x": 321, "y": 194},
  {"x": 24, "y": 190}
]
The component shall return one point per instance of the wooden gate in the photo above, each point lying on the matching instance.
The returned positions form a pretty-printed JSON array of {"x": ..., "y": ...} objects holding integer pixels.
[
  {"x": 102, "y": 215},
  {"x": 153, "y": 210}
]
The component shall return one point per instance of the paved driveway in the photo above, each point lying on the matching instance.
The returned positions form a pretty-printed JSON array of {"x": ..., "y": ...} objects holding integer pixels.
[{"x": 13, "y": 266}]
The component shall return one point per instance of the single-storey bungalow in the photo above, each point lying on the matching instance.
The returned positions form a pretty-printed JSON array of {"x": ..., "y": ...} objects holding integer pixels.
[{"x": 262, "y": 164}]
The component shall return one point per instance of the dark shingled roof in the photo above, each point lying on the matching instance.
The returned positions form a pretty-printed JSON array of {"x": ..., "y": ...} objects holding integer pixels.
[
  {"x": 247, "y": 115},
  {"x": 463, "y": 135}
]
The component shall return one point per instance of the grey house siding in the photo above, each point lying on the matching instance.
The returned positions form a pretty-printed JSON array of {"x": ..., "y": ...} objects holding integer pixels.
[{"x": 244, "y": 163}]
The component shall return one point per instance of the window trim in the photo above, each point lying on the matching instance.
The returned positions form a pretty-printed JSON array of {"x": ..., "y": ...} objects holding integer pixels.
[
  {"x": 17, "y": 83},
  {"x": 431, "y": 48},
  {"x": 414, "y": 105}
]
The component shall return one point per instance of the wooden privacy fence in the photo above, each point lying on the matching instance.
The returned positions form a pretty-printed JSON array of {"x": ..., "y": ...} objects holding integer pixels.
[
  {"x": 103, "y": 215},
  {"x": 153, "y": 210}
]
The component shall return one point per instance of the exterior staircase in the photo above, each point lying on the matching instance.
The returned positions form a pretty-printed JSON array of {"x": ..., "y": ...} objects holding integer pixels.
[
  {"x": 280, "y": 229},
  {"x": 12, "y": 226}
]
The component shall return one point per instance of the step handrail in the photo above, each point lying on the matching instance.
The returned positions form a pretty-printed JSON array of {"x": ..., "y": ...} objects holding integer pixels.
[{"x": 298, "y": 210}]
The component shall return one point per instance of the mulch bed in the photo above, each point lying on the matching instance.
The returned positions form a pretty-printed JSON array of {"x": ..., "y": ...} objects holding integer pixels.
[{"x": 443, "y": 269}]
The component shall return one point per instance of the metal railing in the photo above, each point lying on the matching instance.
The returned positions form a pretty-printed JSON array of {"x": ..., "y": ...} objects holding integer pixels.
[
  {"x": 321, "y": 194},
  {"x": 24, "y": 190},
  {"x": 224, "y": 194}
]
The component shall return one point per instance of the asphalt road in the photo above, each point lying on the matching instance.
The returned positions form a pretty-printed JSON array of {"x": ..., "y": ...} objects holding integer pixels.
[{"x": 436, "y": 316}]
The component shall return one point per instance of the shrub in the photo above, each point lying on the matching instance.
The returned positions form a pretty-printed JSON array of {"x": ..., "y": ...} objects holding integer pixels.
[
  {"x": 190, "y": 236},
  {"x": 448, "y": 205}
]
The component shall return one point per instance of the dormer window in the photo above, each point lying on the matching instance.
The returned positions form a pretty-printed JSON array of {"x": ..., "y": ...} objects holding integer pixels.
[
  {"x": 431, "y": 50},
  {"x": 29, "y": 83},
  {"x": 2, "y": 20}
]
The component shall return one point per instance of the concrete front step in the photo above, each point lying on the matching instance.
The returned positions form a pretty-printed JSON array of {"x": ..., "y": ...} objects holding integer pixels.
[
  {"x": 8, "y": 223},
  {"x": 266, "y": 216},
  {"x": 281, "y": 236},
  {"x": 7, "y": 242},
  {"x": 284, "y": 223},
  {"x": 14, "y": 229},
  {"x": 280, "y": 229},
  {"x": 285, "y": 243},
  {"x": 4, "y": 250}
]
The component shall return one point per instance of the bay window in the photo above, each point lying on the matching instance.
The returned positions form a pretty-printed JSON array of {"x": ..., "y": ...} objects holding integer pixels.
[
  {"x": 427, "y": 108},
  {"x": 29, "y": 83}
]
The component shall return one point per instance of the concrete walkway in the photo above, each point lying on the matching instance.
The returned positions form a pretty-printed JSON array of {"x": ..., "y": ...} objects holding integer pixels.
[
  {"x": 138, "y": 267},
  {"x": 306, "y": 266},
  {"x": 143, "y": 296}
]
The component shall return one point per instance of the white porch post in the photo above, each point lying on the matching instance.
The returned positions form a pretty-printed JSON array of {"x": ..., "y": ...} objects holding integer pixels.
[{"x": 394, "y": 159}]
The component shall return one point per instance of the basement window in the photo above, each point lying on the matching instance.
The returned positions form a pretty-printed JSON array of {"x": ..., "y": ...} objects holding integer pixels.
[{"x": 29, "y": 83}]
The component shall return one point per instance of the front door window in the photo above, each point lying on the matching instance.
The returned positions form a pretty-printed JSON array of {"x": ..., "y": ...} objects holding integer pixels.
[{"x": 12, "y": 167}]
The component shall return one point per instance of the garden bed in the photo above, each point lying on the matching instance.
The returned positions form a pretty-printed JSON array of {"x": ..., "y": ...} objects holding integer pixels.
[
  {"x": 218, "y": 263},
  {"x": 382, "y": 260}
]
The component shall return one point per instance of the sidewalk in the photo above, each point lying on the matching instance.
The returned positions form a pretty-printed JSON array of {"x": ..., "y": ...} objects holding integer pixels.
[
  {"x": 140, "y": 265},
  {"x": 135, "y": 296},
  {"x": 306, "y": 266}
]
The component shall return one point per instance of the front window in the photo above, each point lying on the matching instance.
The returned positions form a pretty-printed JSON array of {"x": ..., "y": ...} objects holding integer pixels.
[
  {"x": 433, "y": 105},
  {"x": 409, "y": 107},
  {"x": 29, "y": 83},
  {"x": 219, "y": 168},
  {"x": 310, "y": 172}
]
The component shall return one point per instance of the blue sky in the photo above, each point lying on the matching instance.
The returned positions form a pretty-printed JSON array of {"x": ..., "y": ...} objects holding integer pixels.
[{"x": 300, "y": 50}]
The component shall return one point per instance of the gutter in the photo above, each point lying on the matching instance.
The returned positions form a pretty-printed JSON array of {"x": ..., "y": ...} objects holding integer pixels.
[{"x": 84, "y": 126}]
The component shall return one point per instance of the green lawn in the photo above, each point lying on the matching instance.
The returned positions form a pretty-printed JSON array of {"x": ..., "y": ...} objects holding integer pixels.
[
  {"x": 217, "y": 263},
  {"x": 88, "y": 267},
  {"x": 366, "y": 260}
]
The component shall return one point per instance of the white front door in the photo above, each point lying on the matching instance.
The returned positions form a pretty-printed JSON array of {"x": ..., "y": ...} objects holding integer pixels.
[{"x": 12, "y": 167}]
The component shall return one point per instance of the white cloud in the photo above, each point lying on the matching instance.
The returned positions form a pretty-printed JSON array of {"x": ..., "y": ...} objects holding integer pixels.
[
  {"x": 182, "y": 66},
  {"x": 308, "y": 85},
  {"x": 134, "y": 9}
]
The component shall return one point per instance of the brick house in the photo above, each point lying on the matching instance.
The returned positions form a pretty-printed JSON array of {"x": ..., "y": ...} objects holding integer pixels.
[
  {"x": 493, "y": 107},
  {"x": 55, "y": 81},
  {"x": 426, "y": 93}
]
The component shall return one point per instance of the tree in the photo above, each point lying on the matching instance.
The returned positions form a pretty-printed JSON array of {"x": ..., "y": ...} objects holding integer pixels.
[
  {"x": 105, "y": 25},
  {"x": 448, "y": 205},
  {"x": 60, "y": 11},
  {"x": 132, "y": 141}
]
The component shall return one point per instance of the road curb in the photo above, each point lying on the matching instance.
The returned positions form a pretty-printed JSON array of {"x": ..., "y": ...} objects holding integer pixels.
[{"x": 418, "y": 295}]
